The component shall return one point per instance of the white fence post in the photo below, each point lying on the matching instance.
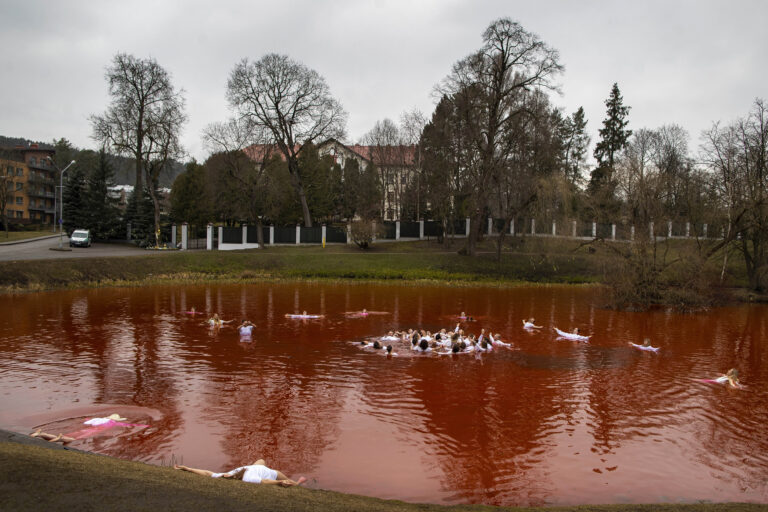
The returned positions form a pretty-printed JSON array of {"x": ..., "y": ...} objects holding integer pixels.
[
  {"x": 244, "y": 241},
  {"x": 594, "y": 230},
  {"x": 533, "y": 226},
  {"x": 705, "y": 231},
  {"x": 490, "y": 226},
  {"x": 221, "y": 236},
  {"x": 421, "y": 230},
  {"x": 613, "y": 231},
  {"x": 650, "y": 226},
  {"x": 184, "y": 236},
  {"x": 466, "y": 227},
  {"x": 271, "y": 235},
  {"x": 349, "y": 234},
  {"x": 512, "y": 226},
  {"x": 687, "y": 230},
  {"x": 298, "y": 234},
  {"x": 669, "y": 229},
  {"x": 397, "y": 230},
  {"x": 554, "y": 228},
  {"x": 209, "y": 237},
  {"x": 573, "y": 223},
  {"x": 322, "y": 235},
  {"x": 632, "y": 233}
]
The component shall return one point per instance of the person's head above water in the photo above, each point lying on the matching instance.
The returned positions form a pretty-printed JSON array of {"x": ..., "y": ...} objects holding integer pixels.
[
  {"x": 646, "y": 342},
  {"x": 376, "y": 344},
  {"x": 389, "y": 349},
  {"x": 423, "y": 344},
  {"x": 455, "y": 348}
]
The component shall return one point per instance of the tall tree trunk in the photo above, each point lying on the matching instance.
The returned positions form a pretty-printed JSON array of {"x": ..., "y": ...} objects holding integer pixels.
[
  {"x": 293, "y": 168},
  {"x": 156, "y": 207},
  {"x": 259, "y": 233}
]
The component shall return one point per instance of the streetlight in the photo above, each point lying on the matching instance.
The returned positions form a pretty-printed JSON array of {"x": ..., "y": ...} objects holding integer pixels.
[{"x": 61, "y": 200}]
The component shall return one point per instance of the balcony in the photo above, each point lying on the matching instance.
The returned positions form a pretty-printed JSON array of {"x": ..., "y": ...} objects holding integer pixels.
[
  {"x": 38, "y": 180},
  {"x": 41, "y": 165},
  {"x": 41, "y": 193},
  {"x": 44, "y": 209}
]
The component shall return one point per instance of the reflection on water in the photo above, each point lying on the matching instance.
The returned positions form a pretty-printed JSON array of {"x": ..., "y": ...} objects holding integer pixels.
[{"x": 550, "y": 422}]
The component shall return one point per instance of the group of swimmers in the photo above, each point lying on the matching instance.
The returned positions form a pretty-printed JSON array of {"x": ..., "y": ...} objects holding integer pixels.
[
  {"x": 442, "y": 343},
  {"x": 445, "y": 342}
]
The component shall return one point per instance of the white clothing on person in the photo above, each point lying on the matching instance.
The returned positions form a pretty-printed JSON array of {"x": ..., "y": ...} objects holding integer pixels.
[
  {"x": 253, "y": 474},
  {"x": 722, "y": 379},
  {"x": 246, "y": 330}
]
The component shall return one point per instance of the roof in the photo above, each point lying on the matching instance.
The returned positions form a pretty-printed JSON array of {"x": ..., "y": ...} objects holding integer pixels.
[{"x": 381, "y": 155}]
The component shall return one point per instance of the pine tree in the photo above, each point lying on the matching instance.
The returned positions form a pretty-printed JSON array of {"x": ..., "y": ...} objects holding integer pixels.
[
  {"x": 575, "y": 145},
  {"x": 613, "y": 138},
  {"x": 74, "y": 206},
  {"x": 104, "y": 218}
]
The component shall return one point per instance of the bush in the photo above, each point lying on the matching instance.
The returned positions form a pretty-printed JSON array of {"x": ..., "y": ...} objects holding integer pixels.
[{"x": 362, "y": 233}]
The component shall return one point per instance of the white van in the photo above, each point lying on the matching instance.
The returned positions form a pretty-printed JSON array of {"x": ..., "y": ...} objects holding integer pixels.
[{"x": 80, "y": 238}]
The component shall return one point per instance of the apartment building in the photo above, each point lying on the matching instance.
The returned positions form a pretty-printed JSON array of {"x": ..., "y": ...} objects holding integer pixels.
[{"x": 30, "y": 182}]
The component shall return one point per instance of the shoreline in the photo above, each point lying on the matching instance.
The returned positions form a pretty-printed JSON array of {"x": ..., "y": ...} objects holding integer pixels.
[{"x": 36, "y": 475}]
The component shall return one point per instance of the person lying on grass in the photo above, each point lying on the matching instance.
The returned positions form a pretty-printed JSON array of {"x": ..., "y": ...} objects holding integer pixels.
[{"x": 256, "y": 473}]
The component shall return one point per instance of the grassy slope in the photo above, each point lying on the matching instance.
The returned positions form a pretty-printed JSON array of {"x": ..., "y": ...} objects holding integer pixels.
[
  {"x": 39, "y": 476},
  {"x": 13, "y": 236},
  {"x": 531, "y": 262}
]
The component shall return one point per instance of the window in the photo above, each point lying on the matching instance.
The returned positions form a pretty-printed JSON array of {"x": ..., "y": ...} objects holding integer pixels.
[
  {"x": 9, "y": 171},
  {"x": 19, "y": 200},
  {"x": 19, "y": 171},
  {"x": 32, "y": 160},
  {"x": 19, "y": 185},
  {"x": 19, "y": 214},
  {"x": 9, "y": 184}
]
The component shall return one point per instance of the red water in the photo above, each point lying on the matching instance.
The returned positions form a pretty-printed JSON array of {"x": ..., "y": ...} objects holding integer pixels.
[{"x": 551, "y": 422}]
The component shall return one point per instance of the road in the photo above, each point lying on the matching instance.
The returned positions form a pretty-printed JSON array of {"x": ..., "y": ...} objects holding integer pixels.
[{"x": 41, "y": 250}]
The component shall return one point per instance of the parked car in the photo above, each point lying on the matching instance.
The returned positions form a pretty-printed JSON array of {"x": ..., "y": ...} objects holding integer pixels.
[{"x": 80, "y": 238}]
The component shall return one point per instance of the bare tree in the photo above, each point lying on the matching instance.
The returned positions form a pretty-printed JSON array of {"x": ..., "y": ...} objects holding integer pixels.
[
  {"x": 143, "y": 120},
  {"x": 290, "y": 101},
  {"x": 412, "y": 125},
  {"x": 510, "y": 62},
  {"x": 738, "y": 156},
  {"x": 230, "y": 140},
  {"x": 388, "y": 158}
]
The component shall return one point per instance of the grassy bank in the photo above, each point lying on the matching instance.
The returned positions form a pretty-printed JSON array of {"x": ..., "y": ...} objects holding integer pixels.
[
  {"x": 42, "y": 476},
  {"x": 536, "y": 261},
  {"x": 15, "y": 236}
]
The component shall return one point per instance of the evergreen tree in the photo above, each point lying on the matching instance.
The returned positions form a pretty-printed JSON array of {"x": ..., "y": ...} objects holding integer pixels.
[
  {"x": 102, "y": 211},
  {"x": 613, "y": 138},
  {"x": 140, "y": 212},
  {"x": 321, "y": 183},
  {"x": 74, "y": 207},
  {"x": 189, "y": 201},
  {"x": 575, "y": 145}
]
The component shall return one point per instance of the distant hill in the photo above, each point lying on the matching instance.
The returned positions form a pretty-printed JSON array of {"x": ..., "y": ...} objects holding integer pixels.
[{"x": 124, "y": 168}]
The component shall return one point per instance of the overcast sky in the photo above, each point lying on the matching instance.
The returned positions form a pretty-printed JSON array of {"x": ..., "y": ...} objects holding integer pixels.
[{"x": 684, "y": 62}]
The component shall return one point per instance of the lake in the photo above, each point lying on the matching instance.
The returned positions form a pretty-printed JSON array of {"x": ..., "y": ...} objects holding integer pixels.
[{"x": 547, "y": 421}]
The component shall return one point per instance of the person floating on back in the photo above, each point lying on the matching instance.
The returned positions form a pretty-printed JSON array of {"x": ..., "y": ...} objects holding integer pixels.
[{"x": 257, "y": 473}]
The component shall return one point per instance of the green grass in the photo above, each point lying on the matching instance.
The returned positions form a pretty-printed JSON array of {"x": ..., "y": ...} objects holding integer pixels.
[
  {"x": 15, "y": 236},
  {"x": 385, "y": 262},
  {"x": 524, "y": 260},
  {"x": 41, "y": 476}
]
